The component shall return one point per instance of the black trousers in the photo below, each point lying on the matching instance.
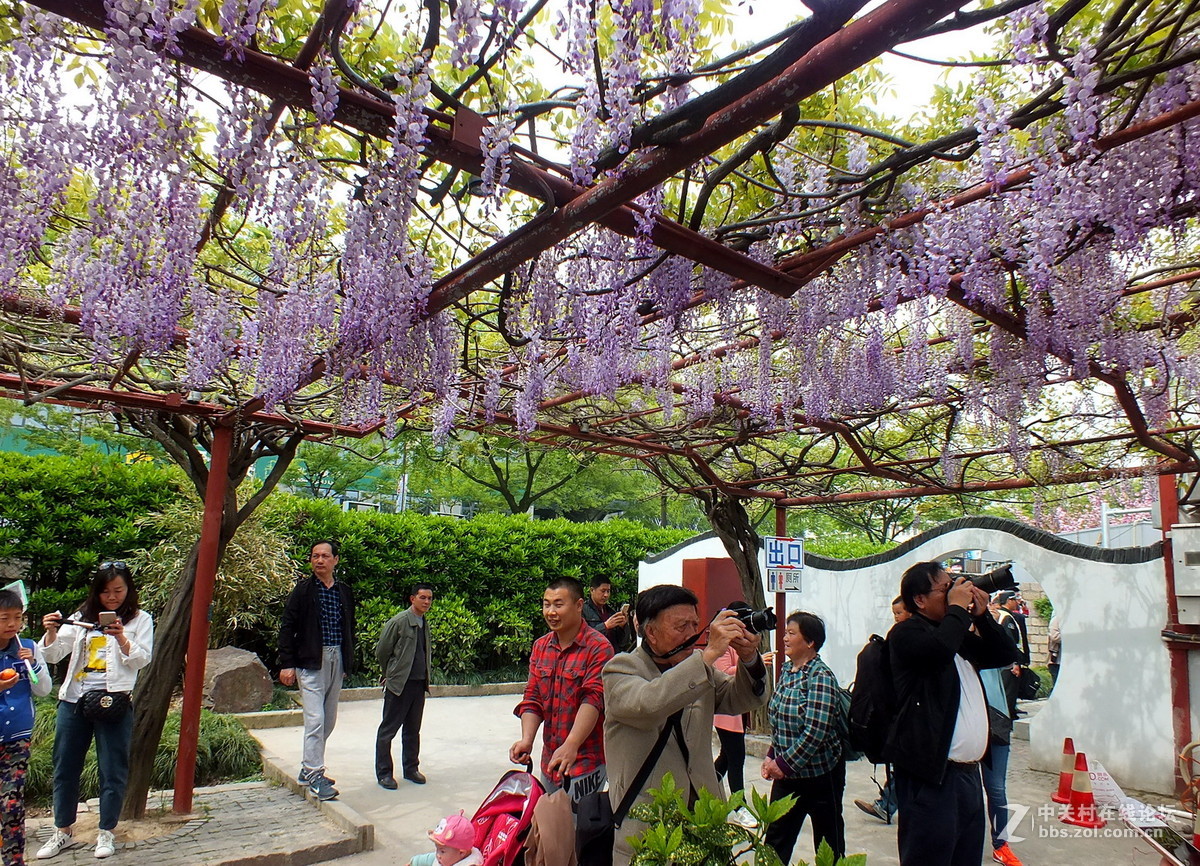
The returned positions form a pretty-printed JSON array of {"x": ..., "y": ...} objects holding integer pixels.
[
  {"x": 941, "y": 825},
  {"x": 732, "y": 758},
  {"x": 820, "y": 798},
  {"x": 402, "y": 711}
]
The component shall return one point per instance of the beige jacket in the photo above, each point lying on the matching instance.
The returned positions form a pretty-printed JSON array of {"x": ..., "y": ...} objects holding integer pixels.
[{"x": 638, "y": 698}]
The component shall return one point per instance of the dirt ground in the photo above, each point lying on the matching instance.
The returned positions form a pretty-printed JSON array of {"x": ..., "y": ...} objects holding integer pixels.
[{"x": 156, "y": 823}]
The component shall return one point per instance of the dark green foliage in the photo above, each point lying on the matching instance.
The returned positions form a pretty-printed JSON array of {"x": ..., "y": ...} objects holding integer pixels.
[
  {"x": 372, "y": 614},
  {"x": 488, "y": 573},
  {"x": 1047, "y": 685},
  {"x": 1044, "y": 608},
  {"x": 455, "y": 635},
  {"x": 43, "y": 601},
  {"x": 64, "y": 515},
  {"x": 226, "y": 753},
  {"x": 842, "y": 547}
]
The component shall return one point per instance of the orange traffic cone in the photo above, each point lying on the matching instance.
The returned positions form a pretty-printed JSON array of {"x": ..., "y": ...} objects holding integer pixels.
[
  {"x": 1082, "y": 810},
  {"x": 1066, "y": 773}
]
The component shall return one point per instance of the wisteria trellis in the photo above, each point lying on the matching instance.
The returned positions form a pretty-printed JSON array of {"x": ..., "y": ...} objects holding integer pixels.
[{"x": 1005, "y": 299}]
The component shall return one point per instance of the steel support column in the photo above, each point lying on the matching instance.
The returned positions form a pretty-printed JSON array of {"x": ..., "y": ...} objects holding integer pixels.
[
  {"x": 197, "y": 652},
  {"x": 780, "y": 597},
  {"x": 1178, "y": 651}
]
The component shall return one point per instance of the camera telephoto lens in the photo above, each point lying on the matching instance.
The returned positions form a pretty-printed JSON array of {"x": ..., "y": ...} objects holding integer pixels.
[{"x": 994, "y": 580}]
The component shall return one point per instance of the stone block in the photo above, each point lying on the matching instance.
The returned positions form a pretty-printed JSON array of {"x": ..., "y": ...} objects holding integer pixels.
[{"x": 235, "y": 681}]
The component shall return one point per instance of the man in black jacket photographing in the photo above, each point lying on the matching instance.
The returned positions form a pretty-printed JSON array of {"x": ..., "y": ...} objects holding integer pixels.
[{"x": 940, "y": 733}]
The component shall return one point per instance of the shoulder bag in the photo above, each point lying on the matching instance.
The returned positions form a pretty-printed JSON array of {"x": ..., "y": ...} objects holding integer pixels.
[{"x": 596, "y": 822}]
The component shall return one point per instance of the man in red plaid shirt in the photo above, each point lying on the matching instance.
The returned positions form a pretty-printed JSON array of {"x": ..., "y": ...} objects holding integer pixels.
[{"x": 566, "y": 694}]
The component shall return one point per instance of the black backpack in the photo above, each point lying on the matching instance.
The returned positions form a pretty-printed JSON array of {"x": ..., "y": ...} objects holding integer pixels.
[{"x": 872, "y": 701}]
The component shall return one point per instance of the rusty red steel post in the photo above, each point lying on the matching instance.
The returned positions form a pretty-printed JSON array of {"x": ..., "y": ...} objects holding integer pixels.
[
  {"x": 780, "y": 597},
  {"x": 202, "y": 595},
  {"x": 1178, "y": 653}
]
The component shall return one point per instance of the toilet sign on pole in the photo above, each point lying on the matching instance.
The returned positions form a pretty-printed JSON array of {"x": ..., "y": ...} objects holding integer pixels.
[{"x": 784, "y": 561}]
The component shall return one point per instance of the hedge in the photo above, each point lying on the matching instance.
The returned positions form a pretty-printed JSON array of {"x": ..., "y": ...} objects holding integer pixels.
[
  {"x": 488, "y": 573},
  {"x": 64, "y": 515}
]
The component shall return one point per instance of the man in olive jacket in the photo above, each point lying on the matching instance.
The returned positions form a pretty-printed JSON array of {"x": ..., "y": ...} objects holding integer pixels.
[
  {"x": 404, "y": 657},
  {"x": 666, "y": 674},
  {"x": 940, "y": 733}
]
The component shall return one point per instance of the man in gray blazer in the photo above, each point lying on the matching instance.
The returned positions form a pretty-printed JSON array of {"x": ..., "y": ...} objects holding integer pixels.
[
  {"x": 404, "y": 657},
  {"x": 667, "y": 674}
]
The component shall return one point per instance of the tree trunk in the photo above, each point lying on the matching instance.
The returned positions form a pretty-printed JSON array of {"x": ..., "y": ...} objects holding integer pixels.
[
  {"x": 155, "y": 688},
  {"x": 157, "y": 683},
  {"x": 732, "y": 524}
]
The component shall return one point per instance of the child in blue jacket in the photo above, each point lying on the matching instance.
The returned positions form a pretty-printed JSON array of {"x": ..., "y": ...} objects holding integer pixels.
[{"x": 16, "y": 722}]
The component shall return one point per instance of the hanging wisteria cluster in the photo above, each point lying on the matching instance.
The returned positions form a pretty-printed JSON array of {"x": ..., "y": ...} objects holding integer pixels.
[{"x": 286, "y": 261}]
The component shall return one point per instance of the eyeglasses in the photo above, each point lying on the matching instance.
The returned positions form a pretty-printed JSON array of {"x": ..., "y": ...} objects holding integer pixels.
[{"x": 114, "y": 565}]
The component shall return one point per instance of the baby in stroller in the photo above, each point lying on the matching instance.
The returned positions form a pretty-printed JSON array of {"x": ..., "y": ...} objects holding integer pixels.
[{"x": 454, "y": 840}]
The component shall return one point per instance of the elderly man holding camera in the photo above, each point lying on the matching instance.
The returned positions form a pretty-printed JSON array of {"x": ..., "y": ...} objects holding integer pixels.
[{"x": 669, "y": 681}]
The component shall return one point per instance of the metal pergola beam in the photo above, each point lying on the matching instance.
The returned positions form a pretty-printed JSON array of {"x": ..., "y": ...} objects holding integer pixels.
[{"x": 92, "y": 397}]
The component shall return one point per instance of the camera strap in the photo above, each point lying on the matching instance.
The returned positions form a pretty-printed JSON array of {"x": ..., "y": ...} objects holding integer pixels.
[{"x": 687, "y": 644}]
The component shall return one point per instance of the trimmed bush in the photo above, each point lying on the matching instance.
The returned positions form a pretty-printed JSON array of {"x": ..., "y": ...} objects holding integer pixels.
[
  {"x": 64, "y": 515},
  {"x": 488, "y": 573}
]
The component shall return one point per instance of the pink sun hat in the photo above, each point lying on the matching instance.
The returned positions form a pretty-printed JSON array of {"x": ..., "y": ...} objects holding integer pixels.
[{"x": 455, "y": 831}]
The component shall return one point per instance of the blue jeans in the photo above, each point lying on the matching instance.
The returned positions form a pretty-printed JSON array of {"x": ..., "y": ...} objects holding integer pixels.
[
  {"x": 994, "y": 784},
  {"x": 72, "y": 737}
]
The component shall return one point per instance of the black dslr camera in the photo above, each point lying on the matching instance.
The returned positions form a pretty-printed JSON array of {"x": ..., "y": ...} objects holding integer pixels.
[
  {"x": 994, "y": 580},
  {"x": 755, "y": 621}
]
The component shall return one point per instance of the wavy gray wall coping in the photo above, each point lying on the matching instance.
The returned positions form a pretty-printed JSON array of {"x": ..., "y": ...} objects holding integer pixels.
[{"x": 1039, "y": 537}]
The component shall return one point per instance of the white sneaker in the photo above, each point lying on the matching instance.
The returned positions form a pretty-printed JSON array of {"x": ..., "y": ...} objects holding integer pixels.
[
  {"x": 106, "y": 845},
  {"x": 744, "y": 818},
  {"x": 60, "y": 840}
]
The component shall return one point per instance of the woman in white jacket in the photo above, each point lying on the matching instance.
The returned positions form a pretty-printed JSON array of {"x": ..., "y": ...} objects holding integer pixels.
[{"x": 108, "y": 640}]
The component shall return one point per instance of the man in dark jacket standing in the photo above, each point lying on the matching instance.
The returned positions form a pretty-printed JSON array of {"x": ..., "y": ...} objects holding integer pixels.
[
  {"x": 404, "y": 657},
  {"x": 941, "y": 730},
  {"x": 613, "y": 624},
  {"x": 316, "y": 650}
]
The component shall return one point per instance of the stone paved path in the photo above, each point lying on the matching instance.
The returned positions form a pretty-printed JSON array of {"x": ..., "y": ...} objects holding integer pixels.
[{"x": 253, "y": 822}]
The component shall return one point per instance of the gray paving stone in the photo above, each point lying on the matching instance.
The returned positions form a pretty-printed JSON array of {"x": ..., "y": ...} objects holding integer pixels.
[{"x": 247, "y": 824}]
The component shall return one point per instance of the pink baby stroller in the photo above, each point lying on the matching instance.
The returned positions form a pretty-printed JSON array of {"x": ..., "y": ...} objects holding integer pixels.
[{"x": 502, "y": 820}]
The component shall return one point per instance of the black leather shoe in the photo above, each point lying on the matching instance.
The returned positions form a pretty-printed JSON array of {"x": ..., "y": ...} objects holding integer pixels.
[
  {"x": 416, "y": 776},
  {"x": 388, "y": 782}
]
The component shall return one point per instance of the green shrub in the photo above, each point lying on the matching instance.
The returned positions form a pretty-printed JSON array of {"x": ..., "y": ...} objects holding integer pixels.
[
  {"x": 370, "y": 617},
  {"x": 836, "y": 547},
  {"x": 512, "y": 634},
  {"x": 500, "y": 563},
  {"x": 65, "y": 515},
  {"x": 1047, "y": 682},
  {"x": 253, "y": 579},
  {"x": 455, "y": 634},
  {"x": 1044, "y": 608},
  {"x": 703, "y": 834},
  {"x": 226, "y": 753}
]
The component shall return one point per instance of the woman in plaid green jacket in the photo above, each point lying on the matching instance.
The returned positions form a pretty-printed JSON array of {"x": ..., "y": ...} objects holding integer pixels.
[{"x": 805, "y": 759}]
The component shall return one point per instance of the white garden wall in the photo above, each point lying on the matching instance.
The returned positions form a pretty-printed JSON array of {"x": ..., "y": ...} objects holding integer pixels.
[{"x": 1113, "y": 694}]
